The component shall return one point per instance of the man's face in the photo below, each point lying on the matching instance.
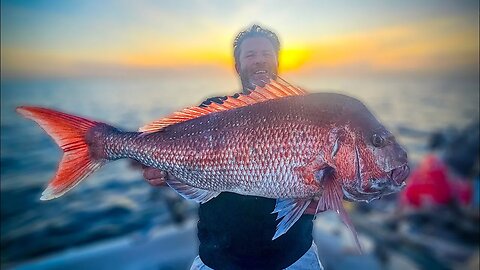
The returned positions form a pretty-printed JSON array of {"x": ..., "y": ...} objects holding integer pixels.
[{"x": 257, "y": 62}]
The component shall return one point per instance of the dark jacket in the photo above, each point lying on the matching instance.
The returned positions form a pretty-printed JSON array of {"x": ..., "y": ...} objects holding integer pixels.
[{"x": 235, "y": 232}]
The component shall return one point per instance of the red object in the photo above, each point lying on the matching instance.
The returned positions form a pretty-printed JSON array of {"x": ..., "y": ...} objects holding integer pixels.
[
  {"x": 430, "y": 185},
  {"x": 69, "y": 132},
  {"x": 463, "y": 191}
]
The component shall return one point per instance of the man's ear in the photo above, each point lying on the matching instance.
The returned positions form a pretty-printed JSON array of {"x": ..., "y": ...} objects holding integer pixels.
[{"x": 237, "y": 67}]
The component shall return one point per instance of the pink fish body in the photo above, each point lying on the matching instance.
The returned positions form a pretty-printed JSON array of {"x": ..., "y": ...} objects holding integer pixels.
[{"x": 277, "y": 142}]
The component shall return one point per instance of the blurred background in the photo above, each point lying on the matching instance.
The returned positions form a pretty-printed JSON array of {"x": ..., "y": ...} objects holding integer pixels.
[{"x": 415, "y": 64}]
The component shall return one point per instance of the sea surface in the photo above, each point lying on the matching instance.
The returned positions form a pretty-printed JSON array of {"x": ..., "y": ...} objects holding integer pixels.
[{"x": 116, "y": 200}]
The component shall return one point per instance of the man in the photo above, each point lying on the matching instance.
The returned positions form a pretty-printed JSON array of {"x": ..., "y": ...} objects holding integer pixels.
[{"x": 235, "y": 231}]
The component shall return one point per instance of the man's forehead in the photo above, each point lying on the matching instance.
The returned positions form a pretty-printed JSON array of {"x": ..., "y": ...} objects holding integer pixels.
[{"x": 256, "y": 44}]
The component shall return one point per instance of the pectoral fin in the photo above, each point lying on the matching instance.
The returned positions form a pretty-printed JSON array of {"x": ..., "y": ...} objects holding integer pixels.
[
  {"x": 289, "y": 210},
  {"x": 191, "y": 193},
  {"x": 332, "y": 200}
]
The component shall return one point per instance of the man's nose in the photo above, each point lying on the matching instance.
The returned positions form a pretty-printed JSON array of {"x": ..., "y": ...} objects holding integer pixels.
[{"x": 260, "y": 59}]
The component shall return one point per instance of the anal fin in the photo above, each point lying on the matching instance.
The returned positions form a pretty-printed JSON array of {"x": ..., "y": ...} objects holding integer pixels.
[
  {"x": 191, "y": 193},
  {"x": 289, "y": 210}
]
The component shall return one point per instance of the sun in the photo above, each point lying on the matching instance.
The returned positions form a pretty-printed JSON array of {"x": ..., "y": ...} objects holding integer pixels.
[{"x": 292, "y": 59}]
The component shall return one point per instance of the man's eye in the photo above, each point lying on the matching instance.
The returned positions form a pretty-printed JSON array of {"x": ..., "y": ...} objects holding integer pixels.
[{"x": 249, "y": 55}]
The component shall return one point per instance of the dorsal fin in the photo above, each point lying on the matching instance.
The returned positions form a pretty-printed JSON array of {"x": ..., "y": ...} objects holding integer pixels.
[{"x": 271, "y": 90}]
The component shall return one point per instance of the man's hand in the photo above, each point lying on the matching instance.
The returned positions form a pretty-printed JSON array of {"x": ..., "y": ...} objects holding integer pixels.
[
  {"x": 155, "y": 177},
  {"x": 312, "y": 208}
]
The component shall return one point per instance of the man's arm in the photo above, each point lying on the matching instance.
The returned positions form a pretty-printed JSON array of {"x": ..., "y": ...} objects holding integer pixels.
[{"x": 218, "y": 100}]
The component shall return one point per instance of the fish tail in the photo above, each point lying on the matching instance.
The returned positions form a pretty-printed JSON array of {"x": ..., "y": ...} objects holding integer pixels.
[{"x": 70, "y": 133}]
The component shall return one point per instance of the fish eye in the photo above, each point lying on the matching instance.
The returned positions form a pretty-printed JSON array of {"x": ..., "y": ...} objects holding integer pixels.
[{"x": 377, "y": 140}]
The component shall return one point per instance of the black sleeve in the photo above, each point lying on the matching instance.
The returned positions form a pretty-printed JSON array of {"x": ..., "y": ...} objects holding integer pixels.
[{"x": 218, "y": 100}]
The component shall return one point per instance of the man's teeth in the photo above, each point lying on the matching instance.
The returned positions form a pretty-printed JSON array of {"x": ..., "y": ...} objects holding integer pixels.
[{"x": 261, "y": 72}]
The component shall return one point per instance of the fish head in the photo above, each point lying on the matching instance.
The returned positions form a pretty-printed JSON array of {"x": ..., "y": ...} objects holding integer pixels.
[
  {"x": 368, "y": 159},
  {"x": 380, "y": 165}
]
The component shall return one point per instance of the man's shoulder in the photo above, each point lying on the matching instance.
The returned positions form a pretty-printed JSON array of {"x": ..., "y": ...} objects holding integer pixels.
[{"x": 217, "y": 100}]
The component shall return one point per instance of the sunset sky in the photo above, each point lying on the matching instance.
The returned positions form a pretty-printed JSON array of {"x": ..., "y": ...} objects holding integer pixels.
[{"x": 104, "y": 38}]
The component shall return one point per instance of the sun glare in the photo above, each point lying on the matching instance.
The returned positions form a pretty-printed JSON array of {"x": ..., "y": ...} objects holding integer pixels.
[{"x": 292, "y": 59}]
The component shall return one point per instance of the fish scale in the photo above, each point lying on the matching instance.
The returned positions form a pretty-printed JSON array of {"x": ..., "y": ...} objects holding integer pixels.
[{"x": 240, "y": 156}]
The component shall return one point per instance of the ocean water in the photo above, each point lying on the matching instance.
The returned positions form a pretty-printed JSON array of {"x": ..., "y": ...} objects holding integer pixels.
[{"x": 116, "y": 201}]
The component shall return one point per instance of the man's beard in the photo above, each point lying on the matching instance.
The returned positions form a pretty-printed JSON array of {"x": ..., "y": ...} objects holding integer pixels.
[{"x": 248, "y": 84}]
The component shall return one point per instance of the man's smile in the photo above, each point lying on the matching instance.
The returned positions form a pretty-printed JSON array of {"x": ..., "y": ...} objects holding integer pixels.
[{"x": 261, "y": 72}]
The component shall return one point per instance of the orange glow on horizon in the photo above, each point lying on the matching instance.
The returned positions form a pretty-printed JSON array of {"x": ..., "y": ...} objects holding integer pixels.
[
  {"x": 192, "y": 57},
  {"x": 439, "y": 44}
]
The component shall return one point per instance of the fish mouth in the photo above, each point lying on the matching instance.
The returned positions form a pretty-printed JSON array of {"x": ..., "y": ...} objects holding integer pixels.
[{"x": 399, "y": 175}]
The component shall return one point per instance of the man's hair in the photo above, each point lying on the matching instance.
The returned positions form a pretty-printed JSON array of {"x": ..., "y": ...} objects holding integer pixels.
[{"x": 255, "y": 31}]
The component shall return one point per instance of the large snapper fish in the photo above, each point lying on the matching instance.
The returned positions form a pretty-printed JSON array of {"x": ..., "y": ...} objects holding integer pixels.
[{"x": 277, "y": 142}]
